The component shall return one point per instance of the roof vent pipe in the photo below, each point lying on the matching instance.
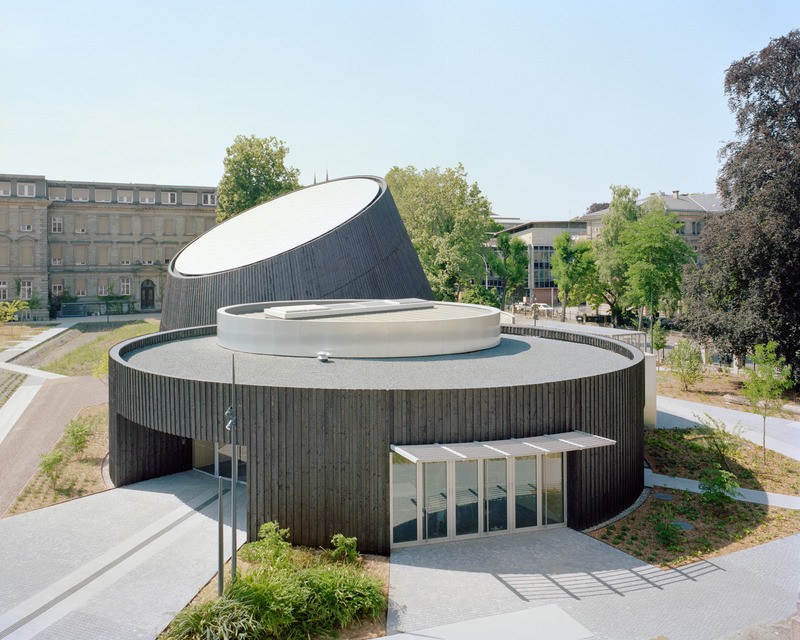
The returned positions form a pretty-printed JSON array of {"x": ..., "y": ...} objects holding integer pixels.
[{"x": 676, "y": 194}]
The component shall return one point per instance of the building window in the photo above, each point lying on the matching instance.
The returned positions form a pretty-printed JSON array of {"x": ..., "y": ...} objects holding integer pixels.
[
  {"x": 169, "y": 226},
  {"x": 147, "y": 255},
  {"x": 56, "y": 255},
  {"x": 102, "y": 287},
  {"x": 103, "y": 225},
  {"x": 189, "y": 198},
  {"x": 4, "y": 252},
  {"x": 102, "y": 254},
  {"x": 697, "y": 227},
  {"x": 210, "y": 199},
  {"x": 147, "y": 197},
  {"x": 125, "y": 226},
  {"x": 57, "y": 289},
  {"x": 80, "y": 287},
  {"x": 124, "y": 255},
  {"x": 80, "y": 195},
  {"x": 26, "y": 254},
  {"x": 26, "y": 221},
  {"x": 124, "y": 286},
  {"x": 169, "y": 253},
  {"x": 25, "y": 289},
  {"x": 210, "y": 222},
  {"x": 57, "y": 224},
  {"x": 80, "y": 224},
  {"x": 26, "y": 190},
  {"x": 169, "y": 197},
  {"x": 682, "y": 229},
  {"x": 5, "y": 188},
  {"x": 102, "y": 195},
  {"x": 124, "y": 196},
  {"x": 57, "y": 193},
  {"x": 3, "y": 289},
  {"x": 80, "y": 255},
  {"x": 148, "y": 226}
]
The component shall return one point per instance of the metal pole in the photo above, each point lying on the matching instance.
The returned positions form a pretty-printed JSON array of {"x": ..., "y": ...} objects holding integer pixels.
[
  {"x": 234, "y": 469},
  {"x": 220, "y": 552}
]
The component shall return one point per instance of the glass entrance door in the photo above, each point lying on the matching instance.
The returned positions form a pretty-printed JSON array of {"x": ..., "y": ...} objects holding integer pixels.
[
  {"x": 446, "y": 500},
  {"x": 467, "y": 502},
  {"x": 525, "y": 492}
]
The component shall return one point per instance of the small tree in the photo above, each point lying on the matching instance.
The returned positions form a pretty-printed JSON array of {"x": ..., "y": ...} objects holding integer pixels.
[
  {"x": 718, "y": 487},
  {"x": 765, "y": 384},
  {"x": 76, "y": 436},
  {"x": 658, "y": 337},
  {"x": 686, "y": 363},
  {"x": 50, "y": 465},
  {"x": 8, "y": 308}
]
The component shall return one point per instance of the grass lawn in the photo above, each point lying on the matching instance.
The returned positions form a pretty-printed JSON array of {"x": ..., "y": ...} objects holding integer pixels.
[
  {"x": 712, "y": 389},
  {"x": 91, "y": 357},
  {"x": 12, "y": 333}
]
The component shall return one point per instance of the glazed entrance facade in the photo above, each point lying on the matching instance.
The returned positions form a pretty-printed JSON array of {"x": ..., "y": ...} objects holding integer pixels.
[{"x": 472, "y": 489}]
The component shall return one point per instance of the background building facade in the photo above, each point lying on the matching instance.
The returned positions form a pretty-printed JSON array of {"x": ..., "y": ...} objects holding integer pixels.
[{"x": 82, "y": 241}]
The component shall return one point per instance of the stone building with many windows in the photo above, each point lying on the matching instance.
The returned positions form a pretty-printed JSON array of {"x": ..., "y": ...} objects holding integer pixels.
[{"x": 83, "y": 241}]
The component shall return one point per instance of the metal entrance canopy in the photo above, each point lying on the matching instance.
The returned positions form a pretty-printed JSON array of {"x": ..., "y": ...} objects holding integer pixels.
[{"x": 539, "y": 445}]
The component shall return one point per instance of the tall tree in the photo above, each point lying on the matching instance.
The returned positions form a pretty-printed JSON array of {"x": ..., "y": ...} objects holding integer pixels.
[
  {"x": 448, "y": 221},
  {"x": 654, "y": 256},
  {"x": 572, "y": 265},
  {"x": 746, "y": 290},
  {"x": 255, "y": 171},
  {"x": 612, "y": 268},
  {"x": 510, "y": 264}
]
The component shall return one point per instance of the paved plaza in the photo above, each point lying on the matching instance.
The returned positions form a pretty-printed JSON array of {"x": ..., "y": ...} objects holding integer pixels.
[{"x": 121, "y": 563}]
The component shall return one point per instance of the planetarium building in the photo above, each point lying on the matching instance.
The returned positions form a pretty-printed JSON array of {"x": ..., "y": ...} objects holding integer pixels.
[{"x": 363, "y": 407}]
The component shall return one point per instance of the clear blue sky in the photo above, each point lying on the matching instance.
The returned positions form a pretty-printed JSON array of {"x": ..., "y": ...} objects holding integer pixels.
[{"x": 545, "y": 104}]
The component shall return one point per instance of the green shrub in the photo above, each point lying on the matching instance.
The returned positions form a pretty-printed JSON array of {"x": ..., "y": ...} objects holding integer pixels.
[
  {"x": 686, "y": 363},
  {"x": 272, "y": 546},
  {"x": 344, "y": 549},
  {"x": 669, "y": 534},
  {"x": 50, "y": 464},
  {"x": 718, "y": 487},
  {"x": 219, "y": 618},
  {"x": 76, "y": 436},
  {"x": 296, "y": 593}
]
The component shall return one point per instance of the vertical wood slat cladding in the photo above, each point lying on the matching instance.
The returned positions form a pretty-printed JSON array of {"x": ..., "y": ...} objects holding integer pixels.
[
  {"x": 369, "y": 256},
  {"x": 318, "y": 458}
]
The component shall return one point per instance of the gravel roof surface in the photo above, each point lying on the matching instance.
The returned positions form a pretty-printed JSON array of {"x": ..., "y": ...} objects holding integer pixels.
[{"x": 516, "y": 360}]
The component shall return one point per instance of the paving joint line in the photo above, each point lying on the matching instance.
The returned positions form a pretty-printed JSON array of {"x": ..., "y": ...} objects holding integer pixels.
[{"x": 105, "y": 568}]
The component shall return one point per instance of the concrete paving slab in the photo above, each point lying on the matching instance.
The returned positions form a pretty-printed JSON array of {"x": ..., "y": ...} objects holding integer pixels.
[
  {"x": 116, "y": 564},
  {"x": 745, "y": 495},
  {"x": 783, "y": 435},
  {"x": 547, "y": 622},
  {"x": 605, "y": 591}
]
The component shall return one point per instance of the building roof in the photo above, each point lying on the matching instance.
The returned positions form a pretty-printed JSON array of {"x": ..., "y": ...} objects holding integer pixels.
[
  {"x": 277, "y": 226},
  {"x": 680, "y": 203},
  {"x": 517, "y": 360}
]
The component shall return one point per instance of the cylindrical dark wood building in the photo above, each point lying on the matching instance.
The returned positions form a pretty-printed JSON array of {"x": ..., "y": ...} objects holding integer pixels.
[
  {"x": 337, "y": 239},
  {"x": 413, "y": 424}
]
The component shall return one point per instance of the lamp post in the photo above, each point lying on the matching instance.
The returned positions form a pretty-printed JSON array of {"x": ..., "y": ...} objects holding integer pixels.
[
  {"x": 230, "y": 414},
  {"x": 486, "y": 272}
]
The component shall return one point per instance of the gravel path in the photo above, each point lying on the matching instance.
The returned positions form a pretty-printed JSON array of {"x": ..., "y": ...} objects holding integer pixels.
[{"x": 40, "y": 427}]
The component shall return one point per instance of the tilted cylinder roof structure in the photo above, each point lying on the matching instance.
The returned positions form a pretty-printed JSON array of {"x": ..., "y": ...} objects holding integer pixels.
[{"x": 337, "y": 239}]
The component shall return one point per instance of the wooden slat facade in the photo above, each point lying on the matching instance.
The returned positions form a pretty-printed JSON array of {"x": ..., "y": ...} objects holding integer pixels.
[
  {"x": 369, "y": 256},
  {"x": 318, "y": 459}
]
